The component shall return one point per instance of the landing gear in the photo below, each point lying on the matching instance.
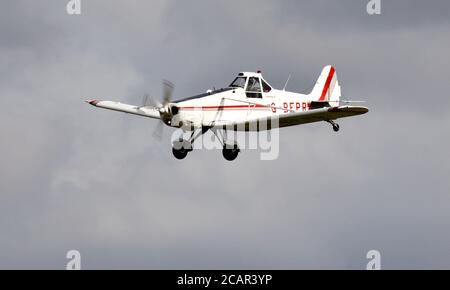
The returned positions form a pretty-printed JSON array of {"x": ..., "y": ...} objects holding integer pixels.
[
  {"x": 335, "y": 126},
  {"x": 230, "y": 151},
  {"x": 182, "y": 147},
  {"x": 179, "y": 153}
]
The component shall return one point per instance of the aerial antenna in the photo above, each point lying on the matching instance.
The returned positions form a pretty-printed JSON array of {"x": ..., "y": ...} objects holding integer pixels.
[{"x": 289, "y": 77}]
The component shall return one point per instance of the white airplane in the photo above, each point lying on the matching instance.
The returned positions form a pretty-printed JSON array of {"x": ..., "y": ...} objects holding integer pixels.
[{"x": 244, "y": 105}]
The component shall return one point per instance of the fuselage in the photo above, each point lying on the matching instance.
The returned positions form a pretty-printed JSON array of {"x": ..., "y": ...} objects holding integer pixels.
[{"x": 239, "y": 103}]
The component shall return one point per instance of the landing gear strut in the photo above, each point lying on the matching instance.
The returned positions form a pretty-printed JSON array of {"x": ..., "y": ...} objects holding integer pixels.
[
  {"x": 230, "y": 150},
  {"x": 335, "y": 125}
]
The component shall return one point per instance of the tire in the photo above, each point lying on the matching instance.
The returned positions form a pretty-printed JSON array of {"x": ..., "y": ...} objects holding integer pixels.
[
  {"x": 336, "y": 127},
  {"x": 230, "y": 153},
  {"x": 179, "y": 153}
]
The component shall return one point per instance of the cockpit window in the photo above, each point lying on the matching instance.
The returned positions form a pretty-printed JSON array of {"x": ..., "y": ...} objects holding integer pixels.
[
  {"x": 253, "y": 88},
  {"x": 266, "y": 87},
  {"x": 253, "y": 85},
  {"x": 238, "y": 82}
]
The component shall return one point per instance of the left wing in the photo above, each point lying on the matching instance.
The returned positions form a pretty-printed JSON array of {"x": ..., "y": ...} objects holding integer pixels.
[{"x": 146, "y": 111}]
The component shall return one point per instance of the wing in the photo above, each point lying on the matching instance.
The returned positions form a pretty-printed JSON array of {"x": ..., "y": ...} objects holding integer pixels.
[
  {"x": 147, "y": 111},
  {"x": 323, "y": 114},
  {"x": 295, "y": 118}
]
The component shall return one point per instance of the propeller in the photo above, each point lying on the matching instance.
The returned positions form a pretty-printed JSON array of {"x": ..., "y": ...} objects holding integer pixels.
[
  {"x": 165, "y": 109},
  {"x": 167, "y": 91}
]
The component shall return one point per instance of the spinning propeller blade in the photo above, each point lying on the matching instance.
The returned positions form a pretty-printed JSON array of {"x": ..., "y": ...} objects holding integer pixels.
[
  {"x": 162, "y": 107},
  {"x": 167, "y": 91}
]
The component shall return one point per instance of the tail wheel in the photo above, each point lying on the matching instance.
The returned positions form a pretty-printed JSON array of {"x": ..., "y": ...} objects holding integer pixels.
[
  {"x": 230, "y": 152},
  {"x": 335, "y": 127}
]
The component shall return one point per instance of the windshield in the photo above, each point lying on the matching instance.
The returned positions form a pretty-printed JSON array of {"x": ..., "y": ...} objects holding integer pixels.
[
  {"x": 266, "y": 87},
  {"x": 238, "y": 82}
]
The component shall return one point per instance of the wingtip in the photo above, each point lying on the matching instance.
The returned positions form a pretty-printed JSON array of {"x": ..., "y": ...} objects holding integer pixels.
[{"x": 92, "y": 102}]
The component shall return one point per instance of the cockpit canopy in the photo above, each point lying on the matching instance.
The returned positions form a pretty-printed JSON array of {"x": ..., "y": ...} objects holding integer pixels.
[
  {"x": 253, "y": 83},
  {"x": 238, "y": 82}
]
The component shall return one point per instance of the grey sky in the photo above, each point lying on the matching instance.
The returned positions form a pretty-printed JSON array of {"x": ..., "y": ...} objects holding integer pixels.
[{"x": 73, "y": 177}]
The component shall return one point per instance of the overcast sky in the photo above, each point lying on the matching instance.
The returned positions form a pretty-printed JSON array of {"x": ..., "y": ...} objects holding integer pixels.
[{"x": 75, "y": 177}]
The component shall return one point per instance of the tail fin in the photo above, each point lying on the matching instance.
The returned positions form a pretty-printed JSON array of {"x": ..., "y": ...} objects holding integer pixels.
[{"x": 327, "y": 86}]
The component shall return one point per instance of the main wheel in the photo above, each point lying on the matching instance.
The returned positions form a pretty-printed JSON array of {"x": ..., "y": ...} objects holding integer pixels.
[
  {"x": 179, "y": 153},
  {"x": 230, "y": 152},
  {"x": 181, "y": 148},
  {"x": 335, "y": 127}
]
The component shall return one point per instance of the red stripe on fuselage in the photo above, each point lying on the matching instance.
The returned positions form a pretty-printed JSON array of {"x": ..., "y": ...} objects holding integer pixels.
[
  {"x": 224, "y": 107},
  {"x": 327, "y": 84}
]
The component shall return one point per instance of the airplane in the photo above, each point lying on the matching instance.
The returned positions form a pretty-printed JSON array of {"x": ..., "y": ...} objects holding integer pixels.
[{"x": 247, "y": 101}]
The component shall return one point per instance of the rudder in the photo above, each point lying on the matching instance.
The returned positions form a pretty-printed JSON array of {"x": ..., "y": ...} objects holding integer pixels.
[{"x": 327, "y": 87}]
